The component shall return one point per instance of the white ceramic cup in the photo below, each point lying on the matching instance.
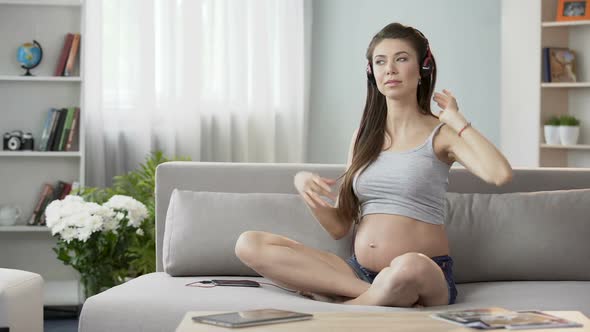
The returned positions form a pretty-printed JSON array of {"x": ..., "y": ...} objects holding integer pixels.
[{"x": 9, "y": 215}]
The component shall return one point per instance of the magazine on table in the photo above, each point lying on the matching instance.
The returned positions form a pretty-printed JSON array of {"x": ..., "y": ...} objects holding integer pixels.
[{"x": 500, "y": 318}]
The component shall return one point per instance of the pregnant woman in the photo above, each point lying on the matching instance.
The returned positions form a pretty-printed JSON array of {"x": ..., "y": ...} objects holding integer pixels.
[{"x": 393, "y": 190}]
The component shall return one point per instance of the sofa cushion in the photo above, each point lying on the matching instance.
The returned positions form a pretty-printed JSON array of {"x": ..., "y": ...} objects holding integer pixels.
[
  {"x": 541, "y": 235},
  {"x": 202, "y": 229}
]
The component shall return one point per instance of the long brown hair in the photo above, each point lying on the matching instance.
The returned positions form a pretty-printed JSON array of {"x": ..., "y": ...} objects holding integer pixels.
[{"x": 371, "y": 132}]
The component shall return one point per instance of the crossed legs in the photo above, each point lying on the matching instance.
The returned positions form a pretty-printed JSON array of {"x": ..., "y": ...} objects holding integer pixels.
[
  {"x": 411, "y": 279},
  {"x": 291, "y": 264}
]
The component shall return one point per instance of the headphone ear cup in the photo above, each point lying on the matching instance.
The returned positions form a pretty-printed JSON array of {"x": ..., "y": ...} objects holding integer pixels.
[
  {"x": 370, "y": 75},
  {"x": 426, "y": 68}
]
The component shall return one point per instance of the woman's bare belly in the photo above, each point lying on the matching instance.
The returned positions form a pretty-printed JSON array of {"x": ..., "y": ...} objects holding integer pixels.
[{"x": 382, "y": 237}]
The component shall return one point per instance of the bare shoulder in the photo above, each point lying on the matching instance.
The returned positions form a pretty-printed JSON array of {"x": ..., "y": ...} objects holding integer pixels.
[{"x": 442, "y": 143}]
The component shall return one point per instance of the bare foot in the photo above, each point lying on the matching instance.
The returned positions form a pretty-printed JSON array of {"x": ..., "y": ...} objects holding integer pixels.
[{"x": 383, "y": 291}]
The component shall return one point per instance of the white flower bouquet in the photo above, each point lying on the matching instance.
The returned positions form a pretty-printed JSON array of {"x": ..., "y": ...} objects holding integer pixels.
[{"x": 95, "y": 239}]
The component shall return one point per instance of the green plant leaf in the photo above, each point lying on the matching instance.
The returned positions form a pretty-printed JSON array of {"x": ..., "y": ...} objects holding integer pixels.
[
  {"x": 568, "y": 120},
  {"x": 553, "y": 121}
]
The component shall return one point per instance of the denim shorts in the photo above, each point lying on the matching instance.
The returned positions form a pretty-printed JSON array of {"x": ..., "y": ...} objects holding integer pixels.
[{"x": 444, "y": 262}]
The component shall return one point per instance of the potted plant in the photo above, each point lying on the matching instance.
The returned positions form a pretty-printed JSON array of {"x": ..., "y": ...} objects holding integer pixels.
[
  {"x": 551, "y": 130},
  {"x": 136, "y": 248},
  {"x": 569, "y": 129},
  {"x": 96, "y": 240}
]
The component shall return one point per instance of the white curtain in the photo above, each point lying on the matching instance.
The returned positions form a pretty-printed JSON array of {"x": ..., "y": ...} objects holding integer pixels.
[{"x": 213, "y": 80}]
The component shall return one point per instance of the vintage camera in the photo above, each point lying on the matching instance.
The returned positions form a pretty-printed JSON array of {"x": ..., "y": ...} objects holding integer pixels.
[{"x": 16, "y": 140}]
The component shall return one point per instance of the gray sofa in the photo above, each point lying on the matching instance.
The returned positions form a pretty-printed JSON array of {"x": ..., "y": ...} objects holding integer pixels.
[{"x": 512, "y": 247}]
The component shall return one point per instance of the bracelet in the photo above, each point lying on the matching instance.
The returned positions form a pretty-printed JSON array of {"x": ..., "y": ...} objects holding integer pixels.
[{"x": 467, "y": 125}]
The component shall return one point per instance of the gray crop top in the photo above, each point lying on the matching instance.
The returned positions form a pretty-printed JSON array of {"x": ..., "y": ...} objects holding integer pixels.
[{"x": 412, "y": 183}]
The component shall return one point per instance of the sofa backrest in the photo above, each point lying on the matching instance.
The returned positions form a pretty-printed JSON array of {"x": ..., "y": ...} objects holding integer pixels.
[{"x": 278, "y": 178}]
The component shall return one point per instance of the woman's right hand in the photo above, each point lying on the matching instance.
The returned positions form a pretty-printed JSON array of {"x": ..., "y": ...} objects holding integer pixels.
[{"x": 311, "y": 186}]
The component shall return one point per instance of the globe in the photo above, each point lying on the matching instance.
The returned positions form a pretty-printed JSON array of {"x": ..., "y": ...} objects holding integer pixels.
[{"x": 29, "y": 55}]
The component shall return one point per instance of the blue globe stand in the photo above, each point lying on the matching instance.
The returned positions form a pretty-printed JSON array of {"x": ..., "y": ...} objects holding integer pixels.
[{"x": 28, "y": 68}]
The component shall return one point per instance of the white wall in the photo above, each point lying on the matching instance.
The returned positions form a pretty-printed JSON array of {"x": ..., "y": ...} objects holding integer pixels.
[
  {"x": 465, "y": 40},
  {"x": 520, "y": 79}
]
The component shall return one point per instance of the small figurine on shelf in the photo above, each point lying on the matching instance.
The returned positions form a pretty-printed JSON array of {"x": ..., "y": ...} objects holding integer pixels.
[{"x": 29, "y": 55}]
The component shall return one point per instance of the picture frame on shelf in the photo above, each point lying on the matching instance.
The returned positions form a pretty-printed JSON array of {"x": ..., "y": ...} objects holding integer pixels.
[
  {"x": 573, "y": 10},
  {"x": 559, "y": 65}
]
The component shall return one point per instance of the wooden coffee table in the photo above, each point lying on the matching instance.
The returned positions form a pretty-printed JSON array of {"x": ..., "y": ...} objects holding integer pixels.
[{"x": 368, "y": 321}]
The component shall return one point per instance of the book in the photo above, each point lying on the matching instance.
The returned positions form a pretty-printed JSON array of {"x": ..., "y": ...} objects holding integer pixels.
[
  {"x": 41, "y": 217},
  {"x": 63, "y": 113},
  {"x": 39, "y": 208},
  {"x": 73, "y": 129},
  {"x": 46, "y": 130},
  {"x": 498, "y": 318},
  {"x": 66, "y": 129},
  {"x": 63, "y": 57},
  {"x": 546, "y": 66},
  {"x": 53, "y": 130},
  {"x": 66, "y": 191},
  {"x": 59, "y": 189},
  {"x": 69, "y": 70},
  {"x": 52, "y": 125},
  {"x": 562, "y": 65}
]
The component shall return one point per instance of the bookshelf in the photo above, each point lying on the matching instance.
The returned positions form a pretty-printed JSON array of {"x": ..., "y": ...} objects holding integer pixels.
[
  {"x": 25, "y": 103},
  {"x": 527, "y": 101},
  {"x": 565, "y": 98}
]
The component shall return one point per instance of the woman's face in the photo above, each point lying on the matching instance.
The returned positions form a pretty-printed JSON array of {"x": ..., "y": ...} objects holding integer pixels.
[{"x": 395, "y": 67}]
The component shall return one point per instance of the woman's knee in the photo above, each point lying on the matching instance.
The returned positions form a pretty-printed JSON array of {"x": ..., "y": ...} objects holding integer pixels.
[
  {"x": 248, "y": 244},
  {"x": 409, "y": 268},
  {"x": 413, "y": 260}
]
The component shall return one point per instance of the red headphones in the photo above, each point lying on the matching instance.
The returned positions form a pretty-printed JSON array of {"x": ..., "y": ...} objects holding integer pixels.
[{"x": 425, "y": 69}]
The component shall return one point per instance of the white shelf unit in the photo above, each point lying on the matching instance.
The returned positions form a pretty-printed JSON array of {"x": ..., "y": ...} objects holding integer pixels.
[
  {"x": 59, "y": 154},
  {"x": 527, "y": 102},
  {"x": 555, "y": 24},
  {"x": 39, "y": 78},
  {"x": 566, "y": 85},
  {"x": 73, "y": 3},
  {"x": 21, "y": 229},
  {"x": 566, "y": 98},
  {"x": 563, "y": 146},
  {"x": 25, "y": 103}
]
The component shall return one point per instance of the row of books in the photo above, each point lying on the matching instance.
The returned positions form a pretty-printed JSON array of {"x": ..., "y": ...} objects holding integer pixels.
[
  {"x": 49, "y": 193},
  {"x": 559, "y": 64},
  {"x": 60, "y": 129},
  {"x": 68, "y": 55}
]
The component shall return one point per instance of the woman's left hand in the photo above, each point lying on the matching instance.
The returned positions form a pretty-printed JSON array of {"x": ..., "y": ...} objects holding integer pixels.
[{"x": 449, "y": 113}]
